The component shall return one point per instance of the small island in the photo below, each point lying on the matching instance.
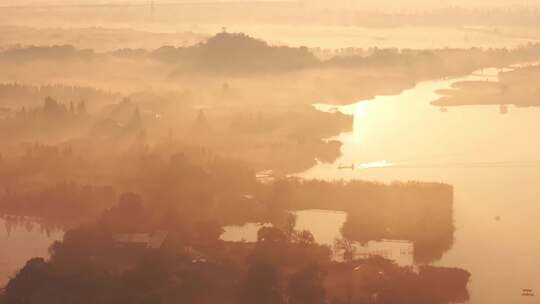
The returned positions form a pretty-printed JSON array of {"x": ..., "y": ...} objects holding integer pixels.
[{"x": 518, "y": 87}]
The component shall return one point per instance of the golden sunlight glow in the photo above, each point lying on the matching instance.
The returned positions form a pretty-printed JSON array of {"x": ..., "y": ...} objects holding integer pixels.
[{"x": 375, "y": 164}]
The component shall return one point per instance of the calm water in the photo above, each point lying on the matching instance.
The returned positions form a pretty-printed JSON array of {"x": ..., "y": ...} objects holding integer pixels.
[
  {"x": 325, "y": 225},
  {"x": 20, "y": 242},
  {"x": 492, "y": 160}
]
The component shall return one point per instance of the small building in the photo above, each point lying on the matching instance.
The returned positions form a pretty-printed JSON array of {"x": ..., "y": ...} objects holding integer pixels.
[
  {"x": 142, "y": 240},
  {"x": 399, "y": 251}
]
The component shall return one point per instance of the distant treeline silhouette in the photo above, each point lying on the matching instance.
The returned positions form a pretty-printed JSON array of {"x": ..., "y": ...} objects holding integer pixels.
[
  {"x": 18, "y": 95},
  {"x": 223, "y": 53},
  {"x": 52, "y": 121},
  {"x": 237, "y": 53},
  {"x": 253, "y": 134}
]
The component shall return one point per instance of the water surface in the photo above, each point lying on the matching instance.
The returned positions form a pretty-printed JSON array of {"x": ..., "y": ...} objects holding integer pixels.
[
  {"x": 19, "y": 242},
  {"x": 492, "y": 160}
]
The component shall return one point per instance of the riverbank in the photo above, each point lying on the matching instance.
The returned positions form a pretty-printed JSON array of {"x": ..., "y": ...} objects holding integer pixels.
[{"x": 517, "y": 87}]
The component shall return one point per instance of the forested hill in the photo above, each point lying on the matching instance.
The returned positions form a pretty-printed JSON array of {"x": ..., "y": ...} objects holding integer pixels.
[{"x": 227, "y": 53}]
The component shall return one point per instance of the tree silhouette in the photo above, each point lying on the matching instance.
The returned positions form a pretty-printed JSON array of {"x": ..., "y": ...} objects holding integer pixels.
[
  {"x": 201, "y": 120},
  {"x": 304, "y": 238},
  {"x": 346, "y": 246},
  {"x": 262, "y": 285},
  {"x": 306, "y": 286},
  {"x": 135, "y": 122},
  {"x": 81, "y": 108}
]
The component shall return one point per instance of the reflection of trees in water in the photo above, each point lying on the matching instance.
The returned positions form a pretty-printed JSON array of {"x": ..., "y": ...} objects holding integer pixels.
[
  {"x": 424, "y": 218},
  {"x": 59, "y": 206},
  {"x": 432, "y": 236},
  {"x": 12, "y": 223},
  {"x": 194, "y": 265},
  {"x": 418, "y": 212}
]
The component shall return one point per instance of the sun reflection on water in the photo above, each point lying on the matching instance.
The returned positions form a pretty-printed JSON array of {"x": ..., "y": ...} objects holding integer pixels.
[{"x": 375, "y": 164}]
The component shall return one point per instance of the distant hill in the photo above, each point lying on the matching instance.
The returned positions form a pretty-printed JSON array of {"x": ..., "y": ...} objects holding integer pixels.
[
  {"x": 237, "y": 53},
  {"x": 224, "y": 53}
]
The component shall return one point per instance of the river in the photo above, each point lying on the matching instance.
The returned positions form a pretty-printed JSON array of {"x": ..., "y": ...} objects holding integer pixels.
[{"x": 492, "y": 160}]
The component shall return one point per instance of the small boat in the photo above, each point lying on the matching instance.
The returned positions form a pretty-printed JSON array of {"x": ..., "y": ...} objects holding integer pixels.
[{"x": 526, "y": 292}]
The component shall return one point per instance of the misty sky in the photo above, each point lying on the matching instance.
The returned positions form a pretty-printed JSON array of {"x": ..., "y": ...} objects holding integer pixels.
[{"x": 368, "y": 4}]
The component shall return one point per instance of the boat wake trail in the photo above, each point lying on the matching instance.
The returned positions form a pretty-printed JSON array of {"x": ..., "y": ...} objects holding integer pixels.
[{"x": 435, "y": 165}]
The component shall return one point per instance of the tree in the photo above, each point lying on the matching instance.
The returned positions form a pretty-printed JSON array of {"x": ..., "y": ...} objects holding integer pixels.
[
  {"x": 271, "y": 235},
  {"x": 208, "y": 231},
  {"x": 51, "y": 105},
  {"x": 290, "y": 224},
  {"x": 81, "y": 108},
  {"x": 346, "y": 246},
  {"x": 304, "y": 237},
  {"x": 261, "y": 285},
  {"x": 280, "y": 199},
  {"x": 28, "y": 278},
  {"x": 135, "y": 123},
  {"x": 128, "y": 216},
  {"x": 306, "y": 286}
]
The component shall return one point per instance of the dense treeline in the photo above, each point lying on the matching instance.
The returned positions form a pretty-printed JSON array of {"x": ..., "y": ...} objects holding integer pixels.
[
  {"x": 51, "y": 122},
  {"x": 238, "y": 54},
  {"x": 441, "y": 62},
  {"x": 56, "y": 52},
  {"x": 59, "y": 206},
  {"x": 205, "y": 186},
  {"x": 18, "y": 95},
  {"x": 285, "y": 139},
  {"x": 223, "y": 53},
  {"x": 419, "y": 212},
  {"x": 193, "y": 265}
]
